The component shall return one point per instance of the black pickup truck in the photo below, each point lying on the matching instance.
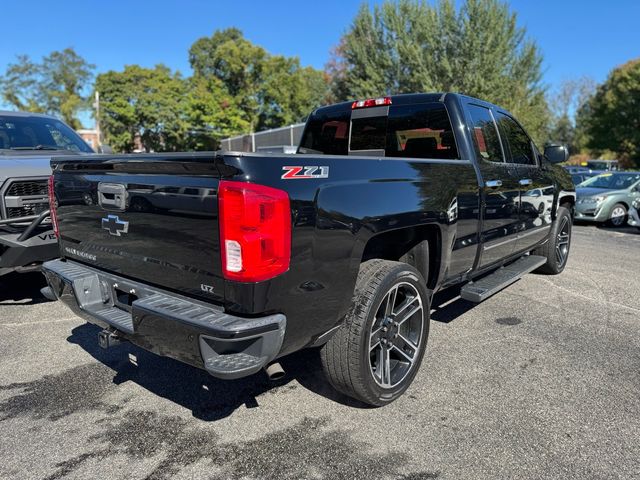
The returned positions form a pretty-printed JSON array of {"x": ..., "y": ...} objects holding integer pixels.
[{"x": 228, "y": 261}]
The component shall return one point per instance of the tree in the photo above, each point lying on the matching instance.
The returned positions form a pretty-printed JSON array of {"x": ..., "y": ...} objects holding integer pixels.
[
  {"x": 412, "y": 46},
  {"x": 271, "y": 90},
  {"x": 150, "y": 104},
  {"x": 611, "y": 117},
  {"x": 564, "y": 103},
  {"x": 54, "y": 86},
  {"x": 212, "y": 113}
]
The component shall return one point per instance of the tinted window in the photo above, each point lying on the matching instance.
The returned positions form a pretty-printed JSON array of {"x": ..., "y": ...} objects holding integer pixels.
[
  {"x": 368, "y": 133},
  {"x": 485, "y": 134},
  {"x": 518, "y": 147},
  {"x": 420, "y": 131},
  {"x": 327, "y": 133},
  {"x": 26, "y": 133}
]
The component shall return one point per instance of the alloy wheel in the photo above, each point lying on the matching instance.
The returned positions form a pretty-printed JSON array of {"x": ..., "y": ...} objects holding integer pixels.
[
  {"x": 618, "y": 215},
  {"x": 562, "y": 242},
  {"x": 394, "y": 341}
]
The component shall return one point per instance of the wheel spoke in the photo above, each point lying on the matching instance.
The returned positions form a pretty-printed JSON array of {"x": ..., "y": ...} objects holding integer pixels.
[
  {"x": 406, "y": 304},
  {"x": 386, "y": 367},
  {"x": 409, "y": 314},
  {"x": 403, "y": 353},
  {"x": 383, "y": 366},
  {"x": 374, "y": 339},
  {"x": 401, "y": 344},
  {"x": 391, "y": 300}
]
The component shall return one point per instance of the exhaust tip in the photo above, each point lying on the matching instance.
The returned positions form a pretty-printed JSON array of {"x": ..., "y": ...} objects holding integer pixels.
[
  {"x": 48, "y": 293},
  {"x": 274, "y": 371}
]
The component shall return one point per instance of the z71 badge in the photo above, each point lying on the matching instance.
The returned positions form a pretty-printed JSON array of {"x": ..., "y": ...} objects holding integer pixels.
[{"x": 292, "y": 173}]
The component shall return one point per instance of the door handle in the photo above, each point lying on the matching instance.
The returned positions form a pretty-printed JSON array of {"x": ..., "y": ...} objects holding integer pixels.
[
  {"x": 493, "y": 183},
  {"x": 526, "y": 181}
]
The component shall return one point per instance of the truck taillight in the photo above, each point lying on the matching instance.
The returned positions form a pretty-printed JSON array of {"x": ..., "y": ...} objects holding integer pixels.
[
  {"x": 53, "y": 212},
  {"x": 255, "y": 231},
  {"x": 371, "y": 102}
]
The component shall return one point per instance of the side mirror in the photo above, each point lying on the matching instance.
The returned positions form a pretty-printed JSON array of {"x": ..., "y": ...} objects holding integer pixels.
[
  {"x": 556, "y": 153},
  {"x": 105, "y": 149}
]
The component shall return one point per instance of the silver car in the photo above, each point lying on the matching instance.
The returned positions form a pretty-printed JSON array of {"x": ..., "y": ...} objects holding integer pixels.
[{"x": 607, "y": 197}]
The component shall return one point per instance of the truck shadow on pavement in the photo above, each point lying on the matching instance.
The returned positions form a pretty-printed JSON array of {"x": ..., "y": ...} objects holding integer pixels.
[
  {"x": 447, "y": 305},
  {"x": 22, "y": 288},
  {"x": 211, "y": 399},
  {"x": 208, "y": 398}
]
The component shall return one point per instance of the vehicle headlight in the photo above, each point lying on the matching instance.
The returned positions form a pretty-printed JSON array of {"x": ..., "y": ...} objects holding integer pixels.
[
  {"x": 636, "y": 204},
  {"x": 600, "y": 198}
]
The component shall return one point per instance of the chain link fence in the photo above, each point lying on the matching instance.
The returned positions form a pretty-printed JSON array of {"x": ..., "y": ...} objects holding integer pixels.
[{"x": 275, "y": 138}]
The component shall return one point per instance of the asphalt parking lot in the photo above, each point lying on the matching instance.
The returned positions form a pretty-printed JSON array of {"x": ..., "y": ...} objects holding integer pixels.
[{"x": 540, "y": 381}]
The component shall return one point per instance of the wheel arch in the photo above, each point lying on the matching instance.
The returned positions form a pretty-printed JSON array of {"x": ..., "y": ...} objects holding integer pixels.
[{"x": 419, "y": 246}]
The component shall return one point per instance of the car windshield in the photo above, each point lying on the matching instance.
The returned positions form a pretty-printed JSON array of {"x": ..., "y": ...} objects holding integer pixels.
[
  {"x": 38, "y": 133},
  {"x": 612, "y": 181}
]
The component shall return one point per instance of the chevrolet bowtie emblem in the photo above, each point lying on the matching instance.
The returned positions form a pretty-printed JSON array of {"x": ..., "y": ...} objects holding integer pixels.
[{"x": 114, "y": 225}]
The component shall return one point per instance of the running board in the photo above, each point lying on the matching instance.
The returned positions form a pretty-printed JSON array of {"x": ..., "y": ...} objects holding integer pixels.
[{"x": 501, "y": 278}]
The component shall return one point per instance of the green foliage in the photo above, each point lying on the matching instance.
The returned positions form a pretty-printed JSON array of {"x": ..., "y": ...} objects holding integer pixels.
[
  {"x": 412, "y": 46},
  {"x": 270, "y": 90},
  {"x": 610, "y": 120},
  {"x": 54, "y": 86},
  {"x": 212, "y": 113},
  {"x": 145, "y": 103}
]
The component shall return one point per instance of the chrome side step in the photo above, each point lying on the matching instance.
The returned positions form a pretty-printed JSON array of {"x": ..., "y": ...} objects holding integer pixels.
[{"x": 501, "y": 278}]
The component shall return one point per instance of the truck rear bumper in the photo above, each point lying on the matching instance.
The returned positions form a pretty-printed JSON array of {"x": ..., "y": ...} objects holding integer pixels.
[{"x": 168, "y": 324}]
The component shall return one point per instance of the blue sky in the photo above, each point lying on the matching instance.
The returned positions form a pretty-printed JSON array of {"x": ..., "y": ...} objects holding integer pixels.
[{"x": 576, "y": 37}]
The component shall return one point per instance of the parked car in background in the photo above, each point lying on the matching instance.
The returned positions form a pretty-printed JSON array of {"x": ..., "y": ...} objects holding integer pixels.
[
  {"x": 579, "y": 177},
  {"x": 581, "y": 173},
  {"x": 607, "y": 197},
  {"x": 607, "y": 165},
  {"x": 27, "y": 142},
  {"x": 634, "y": 214},
  {"x": 575, "y": 169}
]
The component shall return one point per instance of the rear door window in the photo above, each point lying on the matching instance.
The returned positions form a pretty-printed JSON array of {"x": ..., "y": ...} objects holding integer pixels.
[
  {"x": 327, "y": 133},
  {"x": 420, "y": 131}
]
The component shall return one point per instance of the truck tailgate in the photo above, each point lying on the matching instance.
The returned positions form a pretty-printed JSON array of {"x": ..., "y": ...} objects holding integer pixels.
[{"x": 155, "y": 220}]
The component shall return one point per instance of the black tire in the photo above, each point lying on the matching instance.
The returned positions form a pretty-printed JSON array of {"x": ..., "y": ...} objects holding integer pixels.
[
  {"x": 87, "y": 199},
  {"x": 139, "y": 204},
  {"x": 617, "y": 221},
  {"x": 555, "y": 250},
  {"x": 347, "y": 357}
]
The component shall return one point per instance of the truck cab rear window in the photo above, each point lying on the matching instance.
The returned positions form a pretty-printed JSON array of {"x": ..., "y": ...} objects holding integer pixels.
[{"x": 417, "y": 131}]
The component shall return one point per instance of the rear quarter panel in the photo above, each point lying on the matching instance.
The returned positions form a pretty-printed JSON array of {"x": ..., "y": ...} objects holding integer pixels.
[{"x": 335, "y": 217}]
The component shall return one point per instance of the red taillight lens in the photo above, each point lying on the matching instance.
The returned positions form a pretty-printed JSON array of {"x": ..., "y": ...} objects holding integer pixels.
[
  {"x": 371, "y": 102},
  {"x": 255, "y": 231},
  {"x": 53, "y": 212}
]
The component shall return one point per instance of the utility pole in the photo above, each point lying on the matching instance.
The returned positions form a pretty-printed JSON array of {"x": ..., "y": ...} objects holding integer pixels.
[{"x": 96, "y": 106}]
